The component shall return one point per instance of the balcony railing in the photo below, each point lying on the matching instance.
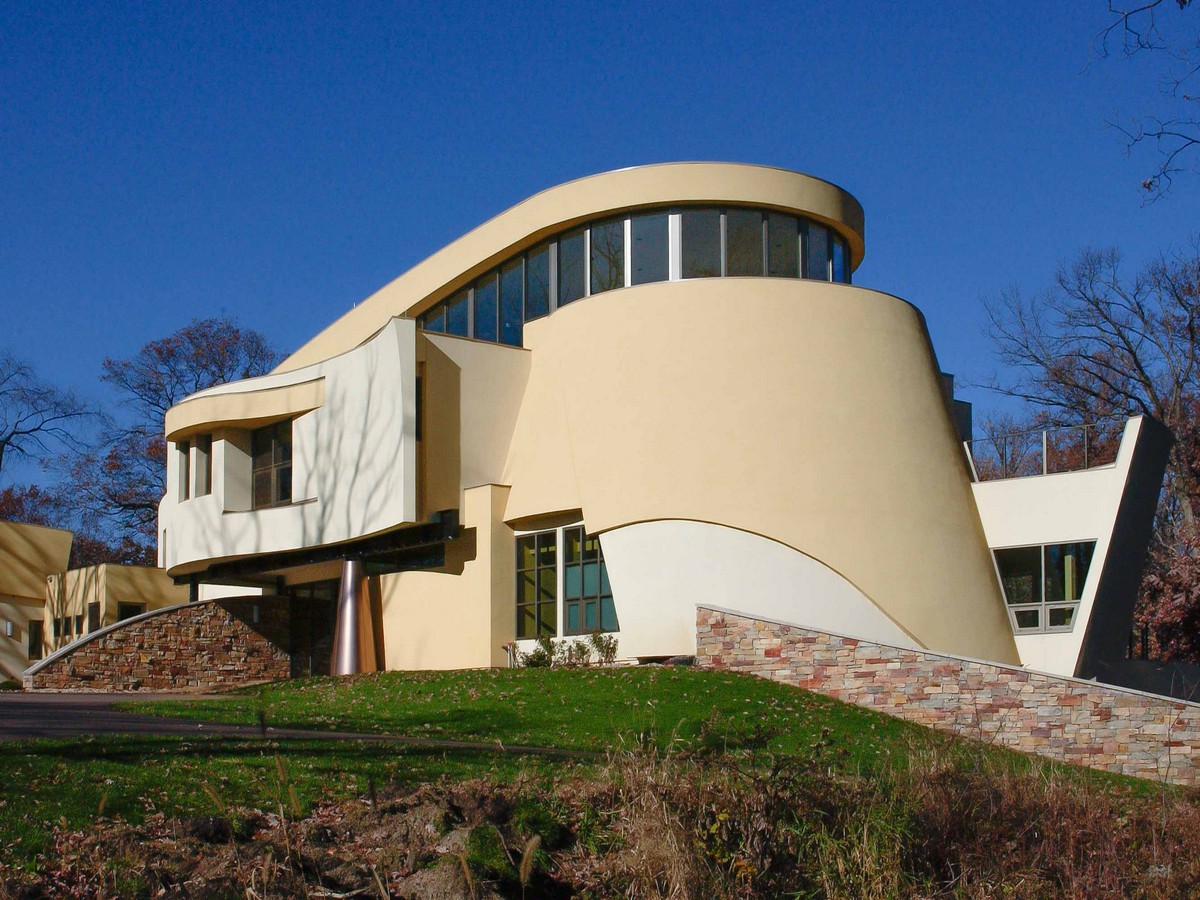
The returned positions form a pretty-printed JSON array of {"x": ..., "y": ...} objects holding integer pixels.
[{"x": 1046, "y": 451}]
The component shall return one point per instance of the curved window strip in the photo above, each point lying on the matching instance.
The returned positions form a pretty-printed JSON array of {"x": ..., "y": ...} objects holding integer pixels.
[{"x": 643, "y": 247}]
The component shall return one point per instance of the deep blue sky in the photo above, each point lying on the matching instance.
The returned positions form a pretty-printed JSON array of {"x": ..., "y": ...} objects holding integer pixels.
[{"x": 280, "y": 162}]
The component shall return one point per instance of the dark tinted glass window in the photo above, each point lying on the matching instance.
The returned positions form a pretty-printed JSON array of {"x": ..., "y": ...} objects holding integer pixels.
[
  {"x": 271, "y": 450},
  {"x": 841, "y": 262},
  {"x": 608, "y": 256},
  {"x": 701, "y": 238},
  {"x": 783, "y": 246},
  {"x": 744, "y": 242},
  {"x": 457, "y": 312},
  {"x": 537, "y": 282},
  {"x": 1020, "y": 573},
  {"x": 648, "y": 247},
  {"x": 435, "y": 319},
  {"x": 1066, "y": 570},
  {"x": 571, "y": 267},
  {"x": 817, "y": 258},
  {"x": 512, "y": 302},
  {"x": 486, "y": 308}
]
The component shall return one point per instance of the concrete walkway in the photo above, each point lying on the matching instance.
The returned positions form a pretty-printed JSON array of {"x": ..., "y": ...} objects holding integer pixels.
[{"x": 64, "y": 716}]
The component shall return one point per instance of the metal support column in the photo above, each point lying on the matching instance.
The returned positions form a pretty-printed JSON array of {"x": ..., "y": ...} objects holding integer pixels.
[{"x": 354, "y": 632}]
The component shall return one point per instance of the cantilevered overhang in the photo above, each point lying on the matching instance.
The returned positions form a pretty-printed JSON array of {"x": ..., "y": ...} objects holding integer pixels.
[{"x": 559, "y": 208}]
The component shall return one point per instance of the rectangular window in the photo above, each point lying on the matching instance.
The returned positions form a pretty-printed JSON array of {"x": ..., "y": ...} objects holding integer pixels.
[
  {"x": 700, "y": 234},
  {"x": 783, "y": 246},
  {"x": 58, "y": 629},
  {"x": 434, "y": 320},
  {"x": 36, "y": 638},
  {"x": 841, "y": 266},
  {"x": 744, "y": 242},
  {"x": 93, "y": 617},
  {"x": 537, "y": 283},
  {"x": 271, "y": 448},
  {"x": 129, "y": 610},
  {"x": 79, "y": 625},
  {"x": 487, "y": 312},
  {"x": 816, "y": 261},
  {"x": 203, "y": 465},
  {"x": 608, "y": 256},
  {"x": 587, "y": 597},
  {"x": 537, "y": 585},
  {"x": 458, "y": 310},
  {"x": 648, "y": 237},
  {"x": 572, "y": 267},
  {"x": 184, "y": 449},
  {"x": 512, "y": 302},
  {"x": 1044, "y": 584}
]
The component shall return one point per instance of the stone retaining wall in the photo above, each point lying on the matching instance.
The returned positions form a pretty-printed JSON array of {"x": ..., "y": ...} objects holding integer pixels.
[
  {"x": 211, "y": 644},
  {"x": 1067, "y": 719}
]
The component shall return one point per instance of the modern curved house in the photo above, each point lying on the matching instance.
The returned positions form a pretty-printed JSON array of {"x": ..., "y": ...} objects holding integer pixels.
[{"x": 627, "y": 396}]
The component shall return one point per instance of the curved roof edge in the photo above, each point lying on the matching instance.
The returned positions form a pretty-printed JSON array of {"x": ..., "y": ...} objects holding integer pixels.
[{"x": 559, "y": 207}]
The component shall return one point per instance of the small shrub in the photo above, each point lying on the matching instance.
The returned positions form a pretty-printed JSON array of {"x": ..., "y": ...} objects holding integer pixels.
[
  {"x": 605, "y": 646},
  {"x": 541, "y": 656},
  {"x": 9, "y": 684},
  {"x": 573, "y": 655}
]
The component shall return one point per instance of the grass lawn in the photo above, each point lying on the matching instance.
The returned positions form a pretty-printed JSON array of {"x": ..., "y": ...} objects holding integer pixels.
[
  {"x": 57, "y": 782},
  {"x": 584, "y": 709}
]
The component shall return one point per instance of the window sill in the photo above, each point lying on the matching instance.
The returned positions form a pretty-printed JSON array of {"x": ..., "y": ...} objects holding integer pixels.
[{"x": 242, "y": 512}]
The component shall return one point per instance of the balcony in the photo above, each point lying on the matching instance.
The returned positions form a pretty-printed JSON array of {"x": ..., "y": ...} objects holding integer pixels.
[{"x": 1045, "y": 451}]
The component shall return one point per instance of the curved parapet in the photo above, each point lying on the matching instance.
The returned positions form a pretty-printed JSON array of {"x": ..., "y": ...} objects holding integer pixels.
[
  {"x": 561, "y": 207},
  {"x": 823, "y": 427}
]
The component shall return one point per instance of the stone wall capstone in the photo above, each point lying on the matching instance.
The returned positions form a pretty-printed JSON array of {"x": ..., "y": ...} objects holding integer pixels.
[
  {"x": 1073, "y": 721},
  {"x": 214, "y": 643}
]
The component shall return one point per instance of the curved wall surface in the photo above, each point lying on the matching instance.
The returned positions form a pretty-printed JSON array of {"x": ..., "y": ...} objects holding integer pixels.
[
  {"x": 660, "y": 571},
  {"x": 541, "y": 215},
  {"x": 806, "y": 412}
]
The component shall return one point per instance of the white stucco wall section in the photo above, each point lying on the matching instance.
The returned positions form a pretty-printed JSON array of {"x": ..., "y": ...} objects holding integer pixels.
[
  {"x": 353, "y": 461},
  {"x": 1057, "y": 509},
  {"x": 660, "y": 571}
]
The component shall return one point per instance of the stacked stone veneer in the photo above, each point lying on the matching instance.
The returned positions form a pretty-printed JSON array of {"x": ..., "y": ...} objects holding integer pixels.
[
  {"x": 1063, "y": 718},
  {"x": 211, "y": 644}
]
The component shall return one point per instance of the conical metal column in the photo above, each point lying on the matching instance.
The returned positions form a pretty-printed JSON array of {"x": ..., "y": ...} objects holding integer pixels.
[{"x": 354, "y": 633}]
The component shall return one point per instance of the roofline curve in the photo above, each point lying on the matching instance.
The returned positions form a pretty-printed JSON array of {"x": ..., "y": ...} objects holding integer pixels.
[{"x": 562, "y": 206}]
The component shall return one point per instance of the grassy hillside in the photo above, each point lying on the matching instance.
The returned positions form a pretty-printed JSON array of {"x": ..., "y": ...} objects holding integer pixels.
[{"x": 714, "y": 784}]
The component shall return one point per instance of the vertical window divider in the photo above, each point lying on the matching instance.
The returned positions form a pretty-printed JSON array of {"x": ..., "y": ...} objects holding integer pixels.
[
  {"x": 724, "y": 244},
  {"x": 587, "y": 262},
  {"x": 764, "y": 241},
  {"x": 552, "y": 269},
  {"x": 674, "y": 245},
  {"x": 627, "y": 275},
  {"x": 471, "y": 311}
]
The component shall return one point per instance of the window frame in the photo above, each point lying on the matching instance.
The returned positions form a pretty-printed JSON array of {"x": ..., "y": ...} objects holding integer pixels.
[
  {"x": 1042, "y": 605},
  {"x": 560, "y": 599},
  {"x": 277, "y": 467}
]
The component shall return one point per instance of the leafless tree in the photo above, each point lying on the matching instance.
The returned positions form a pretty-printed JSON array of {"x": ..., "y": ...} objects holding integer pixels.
[
  {"x": 35, "y": 417},
  {"x": 1100, "y": 344},
  {"x": 1146, "y": 28}
]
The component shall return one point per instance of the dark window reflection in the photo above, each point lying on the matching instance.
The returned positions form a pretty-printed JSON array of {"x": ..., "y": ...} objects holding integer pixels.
[
  {"x": 456, "y": 314},
  {"x": 783, "y": 246},
  {"x": 701, "y": 237},
  {"x": 486, "y": 308},
  {"x": 648, "y": 240},
  {"x": 608, "y": 256},
  {"x": 571, "y": 267},
  {"x": 817, "y": 260},
  {"x": 744, "y": 251},
  {"x": 537, "y": 282},
  {"x": 512, "y": 302}
]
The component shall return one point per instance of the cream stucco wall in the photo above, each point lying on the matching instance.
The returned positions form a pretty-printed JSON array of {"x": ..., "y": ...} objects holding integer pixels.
[
  {"x": 15, "y": 615},
  {"x": 68, "y": 594},
  {"x": 559, "y": 207},
  {"x": 353, "y": 457},
  {"x": 462, "y": 615},
  {"x": 1057, "y": 509},
  {"x": 29, "y": 554},
  {"x": 806, "y": 412}
]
